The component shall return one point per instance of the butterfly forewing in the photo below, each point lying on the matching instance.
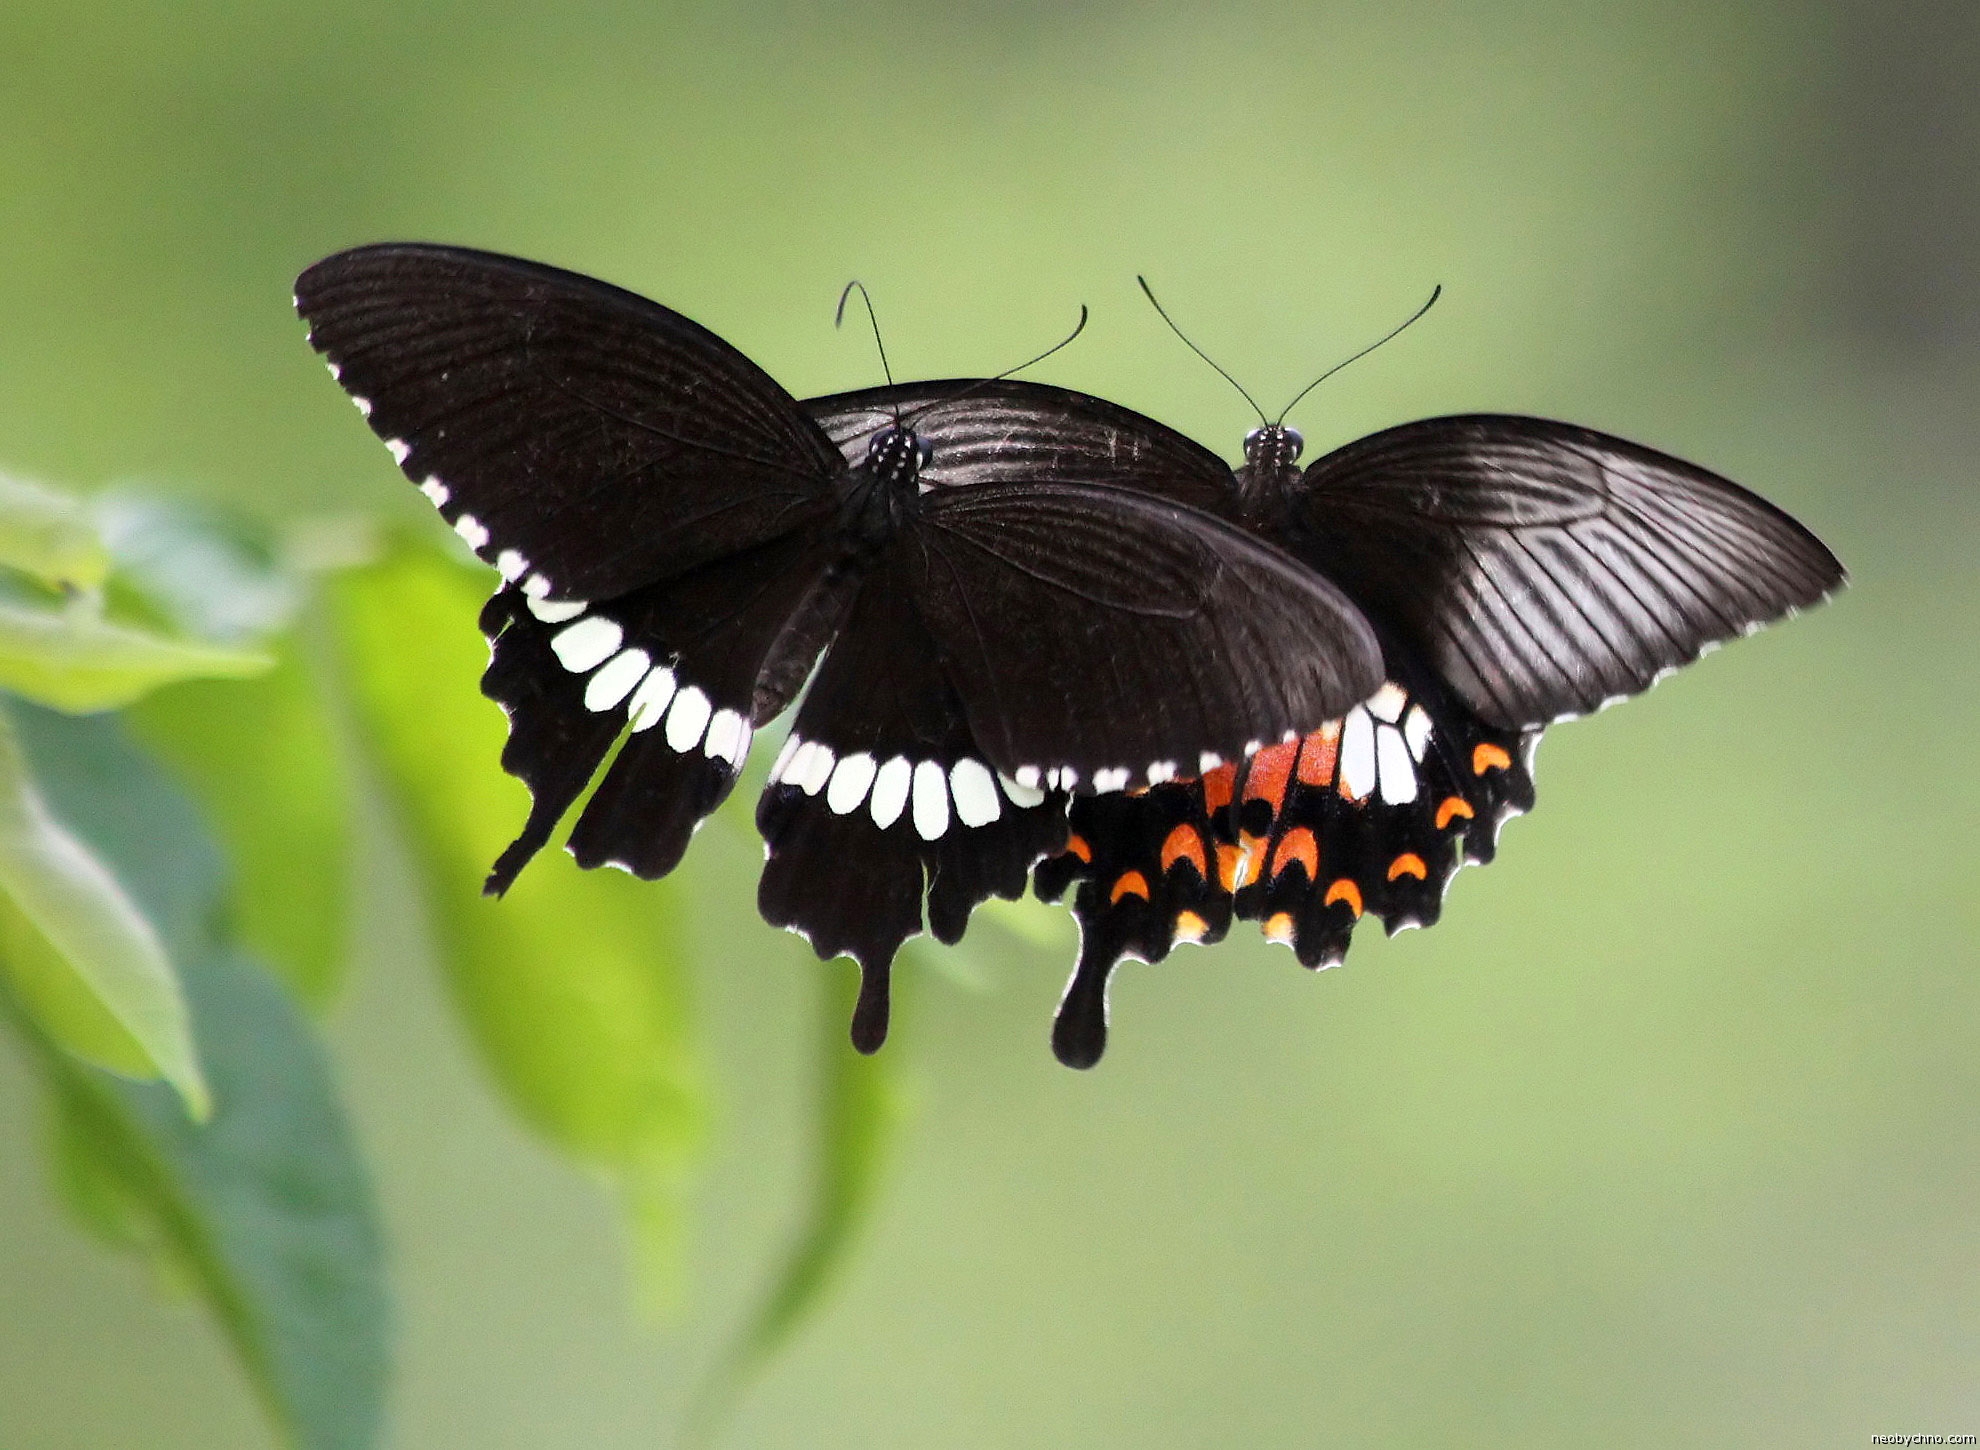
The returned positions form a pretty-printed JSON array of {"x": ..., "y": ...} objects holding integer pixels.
[
  {"x": 1131, "y": 634},
  {"x": 1544, "y": 569},
  {"x": 569, "y": 430}
]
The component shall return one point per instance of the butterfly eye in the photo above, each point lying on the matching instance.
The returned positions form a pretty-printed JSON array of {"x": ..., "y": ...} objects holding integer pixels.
[
  {"x": 1252, "y": 441},
  {"x": 1295, "y": 443}
]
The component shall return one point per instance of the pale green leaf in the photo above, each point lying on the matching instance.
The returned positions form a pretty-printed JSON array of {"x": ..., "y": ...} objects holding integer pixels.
[
  {"x": 573, "y": 984},
  {"x": 81, "y": 955},
  {"x": 71, "y": 657},
  {"x": 50, "y": 535},
  {"x": 265, "y": 1210},
  {"x": 265, "y": 759}
]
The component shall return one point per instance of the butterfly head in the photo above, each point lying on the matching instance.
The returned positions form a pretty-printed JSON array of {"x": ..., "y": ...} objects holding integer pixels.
[
  {"x": 897, "y": 454},
  {"x": 1273, "y": 448}
]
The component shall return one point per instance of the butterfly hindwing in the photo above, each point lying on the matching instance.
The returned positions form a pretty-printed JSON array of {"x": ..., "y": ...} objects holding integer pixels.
[
  {"x": 677, "y": 668},
  {"x": 573, "y": 433},
  {"x": 881, "y": 796},
  {"x": 1544, "y": 569}
]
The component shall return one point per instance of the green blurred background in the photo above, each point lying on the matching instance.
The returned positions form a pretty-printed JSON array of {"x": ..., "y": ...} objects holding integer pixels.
[{"x": 1669, "y": 1134}]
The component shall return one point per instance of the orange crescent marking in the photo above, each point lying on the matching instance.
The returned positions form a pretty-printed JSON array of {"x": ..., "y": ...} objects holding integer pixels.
[
  {"x": 1487, "y": 756},
  {"x": 1345, "y": 890},
  {"x": 1076, "y": 846},
  {"x": 1271, "y": 770},
  {"x": 1279, "y": 927},
  {"x": 1217, "y": 788},
  {"x": 1409, "y": 864},
  {"x": 1317, "y": 754},
  {"x": 1455, "y": 805},
  {"x": 1132, "y": 883},
  {"x": 1185, "y": 843},
  {"x": 1298, "y": 845},
  {"x": 1191, "y": 927}
]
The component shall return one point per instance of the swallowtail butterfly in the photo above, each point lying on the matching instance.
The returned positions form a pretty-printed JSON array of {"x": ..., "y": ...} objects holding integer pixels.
[
  {"x": 1515, "y": 571},
  {"x": 1013, "y": 608}
]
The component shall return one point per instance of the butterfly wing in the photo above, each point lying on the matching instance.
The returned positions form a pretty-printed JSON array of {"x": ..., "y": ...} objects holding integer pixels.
[
  {"x": 881, "y": 795},
  {"x": 1099, "y": 638},
  {"x": 570, "y": 431},
  {"x": 1015, "y": 432},
  {"x": 683, "y": 670},
  {"x": 1371, "y": 814},
  {"x": 1544, "y": 569}
]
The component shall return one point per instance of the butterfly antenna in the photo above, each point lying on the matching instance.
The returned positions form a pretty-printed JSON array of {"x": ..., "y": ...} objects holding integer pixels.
[
  {"x": 1435, "y": 293},
  {"x": 839, "y": 318},
  {"x": 1149, "y": 292},
  {"x": 981, "y": 383}
]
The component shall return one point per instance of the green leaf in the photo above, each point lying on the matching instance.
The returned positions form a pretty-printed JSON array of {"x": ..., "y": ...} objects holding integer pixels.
[
  {"x": 265, "y": 759},
  {"x": 860, "y": 1105},
  {"x": 50, "y": 535},
  {"x": 211, "y": 573},
  {"x": 574, "y": 984},
  {"x": 71, "y": 657},
  {"x": 79, "y": 952},
  {"x": 265, "y": 1209}
]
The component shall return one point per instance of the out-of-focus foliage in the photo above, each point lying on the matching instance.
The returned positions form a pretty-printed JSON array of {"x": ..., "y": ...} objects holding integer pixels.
[
  {"x": 85, "y": 962},
  {"x": 265, "y": 1208},
  {"x": 50, "y": 535},
  {"x": 68, "y": 655},
  {"x": 265, "y": 761},
  {"x": 859, "y": 1107},
  {"x": 572, "y": 984}
]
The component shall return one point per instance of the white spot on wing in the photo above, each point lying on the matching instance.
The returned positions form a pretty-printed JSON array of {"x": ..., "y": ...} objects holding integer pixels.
[
  {"x": 791, "y": 744},
  {"x": 1398, "y": 771},
  {"x": 1386, "y": 704},
  {"x": 435, "y": 490},
  {"x": 363, "y": 404},
  {"x": 554, "y": 611},
  {"x": 687, "y": 717},
  {"x": 975, "y": 791},
  {"x": 815, "y": 771},
  {"x": 1358, "y": 754},
  {"x": 587, "y": 644},
  {"x": 616, "y": 680},
  {"x": 890, "y": 791},
  {"x": 1027, "y": 777},
  {"x": 1416, "y": 731},
  {"x": 850, "y": 779},
  {"x": 931, "y": 800},
  {"x": 1208, "y": 761},
  {"x": 470, "y": 529},
  {"x": 649, "y": 701},
  {"x": 726, "y": 734},
  {"x": 401, "y": 450},
  {"x": 535, "y": 586},
  {"x": 511, "y": 565},
  {"x": 1161, "y": 770},
  {"x": 1023, "y": 797}
]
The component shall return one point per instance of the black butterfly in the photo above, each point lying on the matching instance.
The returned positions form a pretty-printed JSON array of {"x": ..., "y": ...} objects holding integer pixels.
[
  {"x": 1005, "y": 619},
  {"x": 1516, "y": 571}
]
